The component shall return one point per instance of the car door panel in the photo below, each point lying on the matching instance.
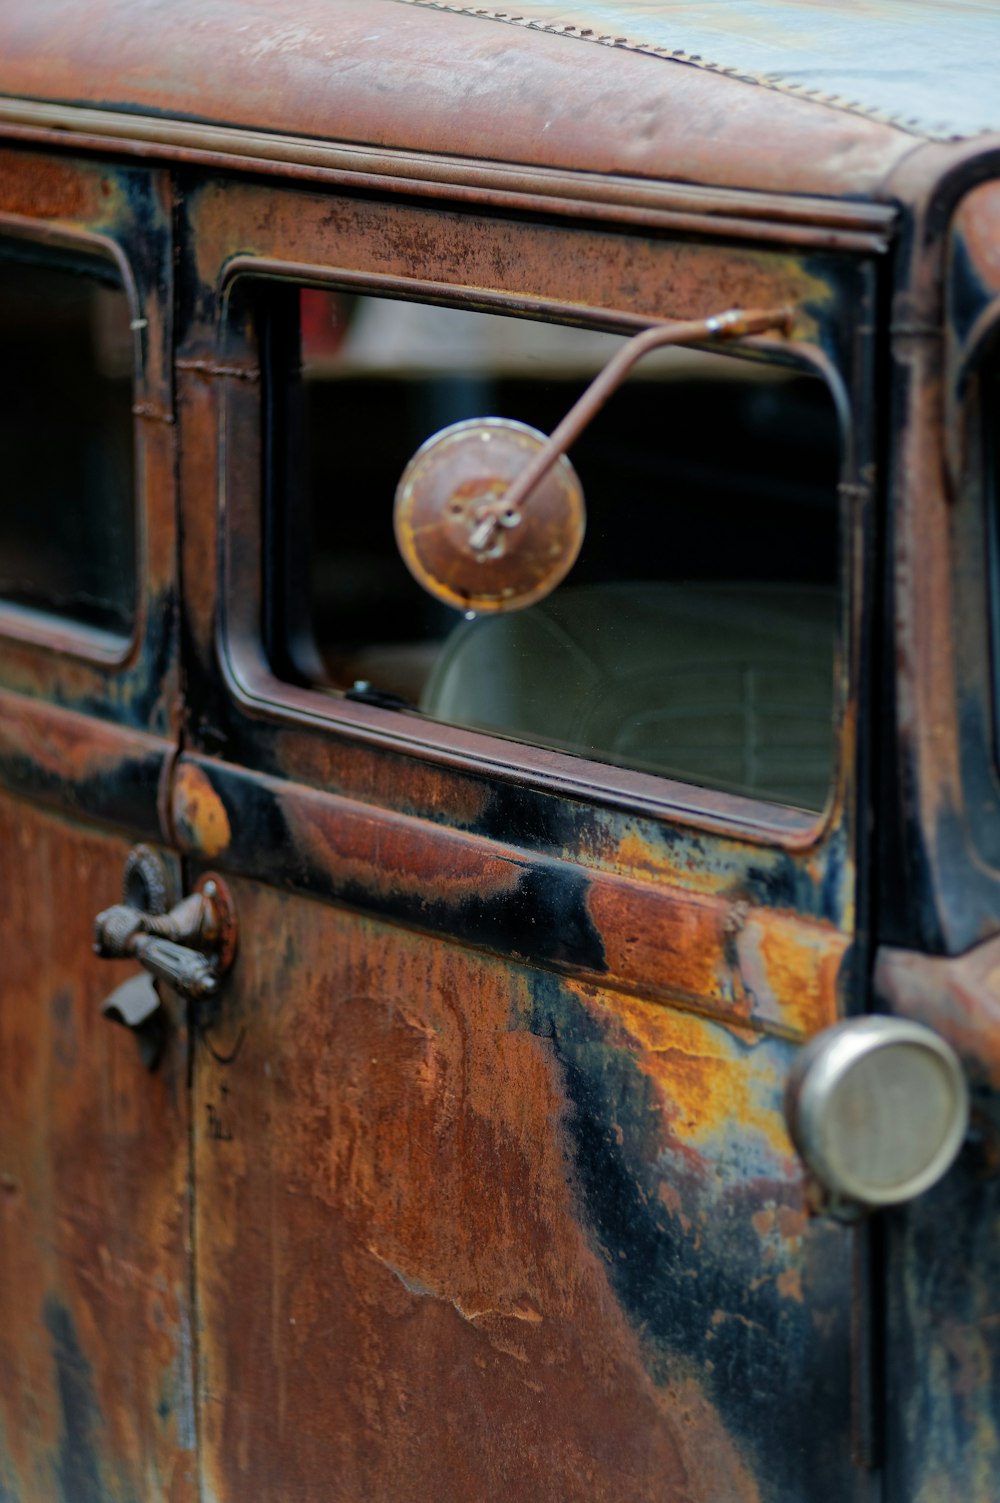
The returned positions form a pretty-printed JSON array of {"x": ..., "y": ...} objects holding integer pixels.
[
  {"x": 477, "y": 1229},
  {"x": 493, "y": 1190}
]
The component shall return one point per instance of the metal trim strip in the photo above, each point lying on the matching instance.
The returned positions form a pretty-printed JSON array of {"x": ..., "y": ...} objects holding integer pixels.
[{"x": 744, "y": 214}]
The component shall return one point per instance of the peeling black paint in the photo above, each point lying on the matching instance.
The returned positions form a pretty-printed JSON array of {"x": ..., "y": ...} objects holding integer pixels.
[
  {"x": 78, "y": 1465},
  {"x": 699, "y": 1296},
  {"x": 124, "y": 794}
]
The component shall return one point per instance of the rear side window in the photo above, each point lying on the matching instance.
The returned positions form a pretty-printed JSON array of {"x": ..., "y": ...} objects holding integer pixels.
[
  {"x": 67, "y": 519},
  {"x": 694, "y": 637}
]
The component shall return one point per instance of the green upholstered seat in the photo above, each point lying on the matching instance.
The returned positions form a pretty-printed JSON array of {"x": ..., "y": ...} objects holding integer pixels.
[{"x": 726, "y": 685}]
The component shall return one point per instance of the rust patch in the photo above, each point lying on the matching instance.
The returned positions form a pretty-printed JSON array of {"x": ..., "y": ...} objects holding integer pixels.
[
  {"x": 324, "y": 762},
  {"x": 329, "y": 75},
  {"x": 200, "y": 817},
  {"x": 789, "y": 968},
  {"x": 639, "y": 276},
  {"x": 790, "y": 1284},
  {"x": 763, "y": 1221},
  {"x": 762, "y": 967},
  {"x": 958, "y": 997},
  {"x": 674, "y": 940},
  {"x": 397, "y": 855},
  {"x": 47, "y": 188}
]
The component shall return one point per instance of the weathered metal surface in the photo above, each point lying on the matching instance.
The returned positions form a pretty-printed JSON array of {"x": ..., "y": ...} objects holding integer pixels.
[
  {"x": 96, "y": 1356},
  {"x": 957, "y": 996},
  {"x": 630, "y": 280},
  {"x": 974, "y": 257},
  {"x": 352, "y": 71},
  {"x": 943, "y": 1380},
  {"x": 836, "y": 224},
  {"x": 938, "y": 855},
  {"x": 726, "y": 952},
  {"x": 96, "y": 1362},
  {"x": 466, "y": 1230},
  {"x": 82, "y": 765},
  {"x": 939, "y": 811}
]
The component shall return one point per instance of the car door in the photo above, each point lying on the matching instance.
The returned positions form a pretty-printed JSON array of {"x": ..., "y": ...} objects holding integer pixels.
[
  {"x": 95, "y": 1371},
  {"x": 493, "y": 1193}
]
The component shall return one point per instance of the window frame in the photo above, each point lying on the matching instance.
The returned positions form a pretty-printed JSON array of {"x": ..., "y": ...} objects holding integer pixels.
[{"x": 260, "y": 691}]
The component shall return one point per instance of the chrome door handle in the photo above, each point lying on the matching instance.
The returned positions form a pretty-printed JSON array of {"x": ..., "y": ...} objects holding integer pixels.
[{"x": 189, "y": 946}]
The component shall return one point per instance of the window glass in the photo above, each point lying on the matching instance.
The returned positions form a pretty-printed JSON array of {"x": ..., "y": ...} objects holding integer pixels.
[
  {"x": 67, "y": 525},
  {"x": 694, "y": 637}
]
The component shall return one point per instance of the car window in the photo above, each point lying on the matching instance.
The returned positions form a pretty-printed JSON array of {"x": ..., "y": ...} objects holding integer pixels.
[
  {"x": 694, "y": 637},
  {"x": 67, "y": 524}
]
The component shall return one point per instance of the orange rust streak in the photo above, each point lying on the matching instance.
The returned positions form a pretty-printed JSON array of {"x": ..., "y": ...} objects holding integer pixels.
[
  {"x": 66, "y": 744},
  {"x": 679, "y": 943},
  {"x": 52, "y": 188},
  {"x": 769, "y": 968},
  {"x": 323, "y": 762},
  {"x": 706, "y": 1081},
  {"x": 791, "y": 966},
  {"x": 400, "y": 855}
]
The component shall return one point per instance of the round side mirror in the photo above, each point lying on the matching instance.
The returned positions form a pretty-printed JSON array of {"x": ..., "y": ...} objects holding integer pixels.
[{"x": 456, "y": 534}]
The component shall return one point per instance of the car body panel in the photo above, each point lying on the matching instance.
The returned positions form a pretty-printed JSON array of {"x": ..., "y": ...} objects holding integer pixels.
[{"x": 479, "y": 1184}]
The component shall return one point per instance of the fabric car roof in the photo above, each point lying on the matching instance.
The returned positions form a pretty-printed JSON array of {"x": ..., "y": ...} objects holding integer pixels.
[{"x": 928, "y": 66}]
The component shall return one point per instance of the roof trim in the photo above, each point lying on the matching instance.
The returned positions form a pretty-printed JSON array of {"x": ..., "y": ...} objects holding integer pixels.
[{"x": 790, "y": 219}]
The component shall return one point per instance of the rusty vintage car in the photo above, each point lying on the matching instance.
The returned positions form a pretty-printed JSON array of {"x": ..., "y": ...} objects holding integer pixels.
[{"x": 558, "y": 942}]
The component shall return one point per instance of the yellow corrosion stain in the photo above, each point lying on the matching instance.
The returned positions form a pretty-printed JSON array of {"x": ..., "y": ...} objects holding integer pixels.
[
  {"x": 707, "y": 1081},
  {"x": 636, "y": 857},
  {"x": 200, "y": 816},
  {"x": 792, "y": 969}
]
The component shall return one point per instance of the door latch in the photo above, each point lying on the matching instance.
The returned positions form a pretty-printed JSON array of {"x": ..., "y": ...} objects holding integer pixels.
[{"x": 189, "y": 946}]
